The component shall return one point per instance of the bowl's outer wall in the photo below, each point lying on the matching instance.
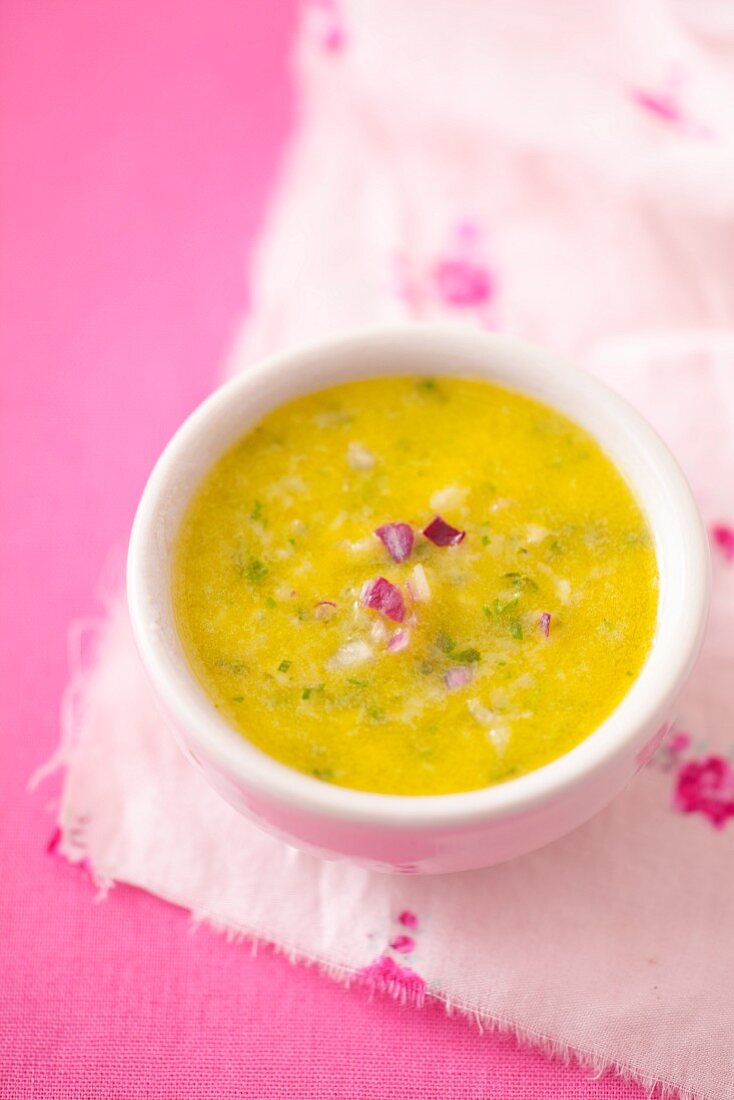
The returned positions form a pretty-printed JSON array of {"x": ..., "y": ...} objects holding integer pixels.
[{"x": 438, "y": 850}]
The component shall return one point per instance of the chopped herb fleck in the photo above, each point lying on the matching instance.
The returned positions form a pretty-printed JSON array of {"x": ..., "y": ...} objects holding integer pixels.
[
  {"x": 467, "y": 656},
  {"x": 323, "y": 773},
  {"x": 500, "y": 608},
  {"x": 356, "y": 683},
  {"x": 522, "y": 581},
  {"x": 257, "y": 511},
  {"x": 238, "y": 698},
  {"x": 235, "y": 667},
  {"x": 292, "y": 542},
  {"x": 485, "y": 540},
  {"x": 284, "y": 666},
  {"x": 376, "y": 714},
  {"x": 256, "y": 571},
  {"x": 445, "y": 644},
  {"x": 516, "y": 629},
  {"x": 271, "y": 603},
  {"x": 487, "y": 611},
  {"x": 306, "y": 693},
  {"x": 427, "y": 385}
]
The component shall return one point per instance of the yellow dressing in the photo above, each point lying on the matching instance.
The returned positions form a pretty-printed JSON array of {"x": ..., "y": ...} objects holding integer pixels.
[{"x": 285, "y": 521}]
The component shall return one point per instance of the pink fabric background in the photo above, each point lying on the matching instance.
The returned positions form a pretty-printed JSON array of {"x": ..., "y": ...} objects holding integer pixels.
[{"x": 138, "y": 142}]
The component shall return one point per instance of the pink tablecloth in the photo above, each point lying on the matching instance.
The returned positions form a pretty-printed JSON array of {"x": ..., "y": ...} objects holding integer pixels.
[{"x": 138, "y": 143}]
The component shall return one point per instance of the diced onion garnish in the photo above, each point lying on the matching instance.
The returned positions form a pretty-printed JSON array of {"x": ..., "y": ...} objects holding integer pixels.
[
  {"x": 480, "y": 712},
  {"x": 563, "y": 588},
  {"x": 418, "y": 585},
  {"x": 351, "y": 653},
  {"x": 453, "y": 496},
  {"x": 324, "y": 609},
  {"x": 380, "y": 595},
  {"x": 535, "y": 533},
  {"x": 499, "y": 735},
  {"x": 359, "y": 458},
  {"x": 361, "y": 546},
  {"x": 441, "y": 533},
  {"x": 397, "y": 538},
  {"x": 458, "y": 677},
  {"x": 379, "y": 632},
  {"x": 497, "y": 731},
  {"x": 545, "y": 621},
  {"x": 399, "y": 641}
]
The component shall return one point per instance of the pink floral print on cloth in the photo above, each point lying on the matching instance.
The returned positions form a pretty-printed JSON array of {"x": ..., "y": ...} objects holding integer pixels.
[
  {"x": 666, "y": 103},
  {"x": 458, "y": 281},
  {"x": 386, "y": 975},
  {"x": 706, "y": 787},
  {"x": 599, "y": 227},
  {"x": 722, "y": 535},
  {"x": 328, "y": 25},
  {"x": 703, "y": 781}
]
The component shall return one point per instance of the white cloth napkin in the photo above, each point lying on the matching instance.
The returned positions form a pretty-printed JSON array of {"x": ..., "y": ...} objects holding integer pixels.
[{"x": 564, "y": 172}]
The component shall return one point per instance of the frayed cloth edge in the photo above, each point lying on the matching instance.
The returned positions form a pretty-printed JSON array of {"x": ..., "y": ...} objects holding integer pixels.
[{"x": 75, "y": 851}]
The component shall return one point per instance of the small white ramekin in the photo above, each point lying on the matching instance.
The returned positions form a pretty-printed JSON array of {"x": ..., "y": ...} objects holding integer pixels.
[{"x": 426, "y": 834}]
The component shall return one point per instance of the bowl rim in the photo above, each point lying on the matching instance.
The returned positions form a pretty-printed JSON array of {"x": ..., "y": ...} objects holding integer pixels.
[{"x": 678, "y": 634}]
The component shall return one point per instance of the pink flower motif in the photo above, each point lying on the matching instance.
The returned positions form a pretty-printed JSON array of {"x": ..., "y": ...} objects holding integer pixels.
[
  {"x": 463, "y": 282},
  {"x": 662, "y": 104},
  {"x": 666, "y": 104},
  {"x": 332, "y": 35},
  {"x": 387, "y": 976},
  {"x": 672, "y": 750},
  {"x": 461, "y": 277},
  {"x": 679, "y": 743},
  {"x": 334, "y": 40},
  {"x": 707, "y": 787},
  {"x": 408, "y": 919},
  {"x": 723, "y": 537},
  {"x": 403, "y": 944}
]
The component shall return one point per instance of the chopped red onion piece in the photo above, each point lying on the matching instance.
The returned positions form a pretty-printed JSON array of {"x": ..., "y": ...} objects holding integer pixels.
[
  {"x": 399, "y": 641},
  {"x": 398, "y": 539},
  {"x": 441, "y": 533},
  {"x": 324, "y": 609},
  {"x": 545, "y": 621},
  {"x": 458, "y": 677},
  {"x": 380, "y": 595}
]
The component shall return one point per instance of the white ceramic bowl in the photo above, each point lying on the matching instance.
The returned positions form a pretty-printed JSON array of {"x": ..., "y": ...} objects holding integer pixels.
[{"x": 436, "y": 833}]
